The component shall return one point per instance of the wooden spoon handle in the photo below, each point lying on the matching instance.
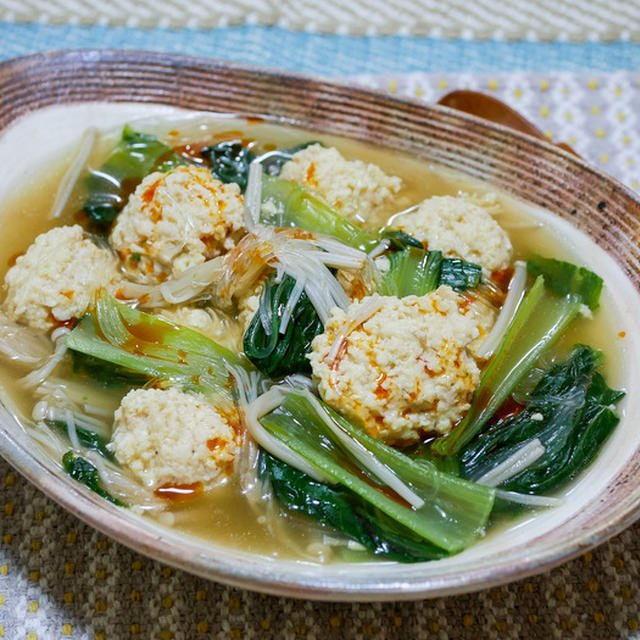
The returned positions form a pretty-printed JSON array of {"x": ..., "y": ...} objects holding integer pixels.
[{"x": 490, "y": 108}]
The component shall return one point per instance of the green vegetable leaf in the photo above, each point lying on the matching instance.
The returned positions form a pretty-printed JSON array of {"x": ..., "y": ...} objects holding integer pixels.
[
  {"x": 88, "y": 439},
  {"x": 229, "y": 162},
  {"x": 454, "y": 512},
  {"x": 106, "y": 374},
  {"x": 275, "y": 353},
  {"x": 342, "y": 509},
  {"x": 135, "y": 156},
  {"x": 569, "y": 412},
  {"x": 289, "y": 205},
  {"x": 415, "y": 271},
  {"x": 564, "y": 278},
  {"x": 85, "y": 473},
  {"x": 398, "y": 239},
  {"x": 145, "y": 344}
]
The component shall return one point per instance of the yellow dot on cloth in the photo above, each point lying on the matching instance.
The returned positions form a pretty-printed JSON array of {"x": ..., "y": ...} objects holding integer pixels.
[
  {"x": 588, "y": 557},
  {"x": 69, "y": 567},
  {"x": 517, "y": 92},
  {"x": 38, "y": 516},
  {"x": 569, "y": 116},
  {"x": 625, "y": 593},
  {"x": 595, "y": 110},
  {"x": 68, "y": 597},
  {"x": 626, "y": 140},
  {"x": 548, "y": 135},
  {"x": 201, "y": 594},
  {"x": 631, "y": 162},
  {"x": 544, "y": 84},
  {"x": 572, "y": 140},
  {"x": 618, "y": 563},
  {"x": 136, "y": 565},
  {"x": 635, "y": 184},
  {"x": 135, "y": 629},
  {"x": 622, "y": 116},
  {"x": 397, "y": 621},
  {"x": 593, "y": 586},
  {"x": 418, "y": 92},
  {"x": 103, "y": 545},
  {"x": 10, "y": 480},
  {"x": 167, "y": 602},
  {"x": 235, "y": 634},
  {"x": 4, "y": 569},
  {"x": 266, "y": 624},
  {"x": 632, "y": 623},
  {"x": 101, "y": 605},
  {"x": 565, "y": 91},
  {"x": 442, "y": 83},
  {"x": 492, "y": 84},
  {"x": 99, "y": 635},
  {"x": 166, "y": 634},
  {"x": 533, "y": 618},
  {"x": 600, "y": 133},
  {"x": 544, "y": 111},
  {"x": 203, "y": 626},
  {"x": 604, "y": 158},
  {"x": 335, "y": 621},
  {"x": 566, "y": 625},
  {"x": 166, "y": 572},
  {"x": 135, "y": 596},
  {"x": 32, "y": 636},
  {"x": 6, "y": 538},
  {"x": 434, "y": 626},
  {"x": 501, "y": 625},
  {"x": 36, "y": 545},
  {"x": 3, "y": 599},
  {"x": 468, "y": 620},
  {"x": 234, "y": 603},
  {"x": 393, "y": 86},
  {"x": 598, "y": 617},
  {"x": 1, "y": 631},
  {"x": 101, "y": 574},
  {"x": 34, "y": 576},
  {"x": 67, "y": 629},
  {"x": 72, "y": 536},
  {"x": 561, "y": 595},
  {"x": 33, "y": 606},
  {"x": 8, "y": 509},
  {"x": 367, "y": 629},
  {"x": 592, "y": 84},
  {"x": 618, "y": 91}
]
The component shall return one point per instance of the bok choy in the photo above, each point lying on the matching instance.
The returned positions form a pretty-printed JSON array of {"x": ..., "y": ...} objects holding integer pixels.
[
  {"x": 87, "y": 474},
  {"x": 414, "y": 271},
  {"x": 570, "y": 413},
  {"x": 342, "y": 509},
  {"x": 447, "y": 512},
  {"x": 135, "y": 156},
  {"x": 229, "y": 162},
  {"x": 287, "y": 204},
  {"x": 158, "y": 349},
  {"x": 541, "y": 317},
  {"x": 280, "y": 333}
]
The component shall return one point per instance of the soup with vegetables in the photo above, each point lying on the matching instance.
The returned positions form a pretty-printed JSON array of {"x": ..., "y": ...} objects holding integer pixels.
[{"x": 300, "y": 346}]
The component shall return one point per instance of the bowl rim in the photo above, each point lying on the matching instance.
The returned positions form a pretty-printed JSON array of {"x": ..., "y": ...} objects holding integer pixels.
[{"x": 221, "y": 564}]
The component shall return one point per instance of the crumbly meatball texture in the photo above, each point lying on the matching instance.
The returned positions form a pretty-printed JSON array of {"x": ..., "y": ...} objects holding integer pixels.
[
  {"x": 167, "y": 437},
  {"x": 460, "y": 228},
  {"x": 404, "y": 372},
  {"x": 355, "y": 189},
  {"x": 57, "y": 278},
  {"x": 176, "y": 220}
]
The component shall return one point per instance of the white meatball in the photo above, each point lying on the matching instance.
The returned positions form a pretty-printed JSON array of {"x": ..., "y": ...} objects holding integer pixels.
[
  {"x": 406, "y": 371},
  {"x": 57, "y": 278},
  {"x": 459, "y": 228},
  {"x": 167, "y": 437},
  {"x": 354, "y": 189},
  {"x": 176, "y": 220}
]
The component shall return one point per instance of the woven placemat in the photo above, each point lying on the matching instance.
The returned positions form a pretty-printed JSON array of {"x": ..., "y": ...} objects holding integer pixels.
[
  {"x": 577, "y": 20},
  {"x": 59, "y": 578}
]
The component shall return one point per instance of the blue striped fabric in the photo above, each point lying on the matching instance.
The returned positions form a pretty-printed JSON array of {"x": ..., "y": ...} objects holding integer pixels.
[{"x": 329, "y": 54}]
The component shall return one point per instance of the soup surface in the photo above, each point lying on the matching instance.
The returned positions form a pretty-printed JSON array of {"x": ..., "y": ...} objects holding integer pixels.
[{"x": 223, "y": 513}]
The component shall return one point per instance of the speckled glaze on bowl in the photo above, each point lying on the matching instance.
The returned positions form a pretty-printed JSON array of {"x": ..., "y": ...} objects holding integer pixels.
[{"x": 603, "y": 502}]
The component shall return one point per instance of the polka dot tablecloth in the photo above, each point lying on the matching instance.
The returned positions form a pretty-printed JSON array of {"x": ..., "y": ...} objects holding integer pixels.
[{"x": 61, "y": 579}]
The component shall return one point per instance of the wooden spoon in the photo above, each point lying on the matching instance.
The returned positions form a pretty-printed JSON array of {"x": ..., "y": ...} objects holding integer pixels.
[{"x": 490, "y": 108}]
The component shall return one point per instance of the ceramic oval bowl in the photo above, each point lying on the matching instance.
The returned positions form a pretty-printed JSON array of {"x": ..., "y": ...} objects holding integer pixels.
[{"x": 84, "y": 86}]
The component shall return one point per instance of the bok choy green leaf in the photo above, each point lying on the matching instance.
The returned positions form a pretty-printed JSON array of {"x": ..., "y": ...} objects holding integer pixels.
[
  {"x": 229, "y": 162},
  {"x": 342, "y": 509},
  {"x": 88, "y": 439},
  {"x": 84, "y": 472},
  {"x": 136, "y": 156},
  {"x": 451, "y": 514},
  {"x": 275, "y": 348},
  {"x": 287, "y": 204},
  {"x": 145, "y": 344},
  {"x": 414, "y": 271},
  {"x": 569, "y": 412},
  {"x": 541, "y": 318}
]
